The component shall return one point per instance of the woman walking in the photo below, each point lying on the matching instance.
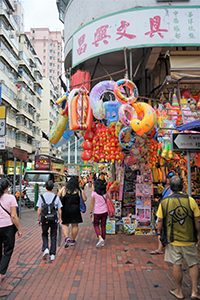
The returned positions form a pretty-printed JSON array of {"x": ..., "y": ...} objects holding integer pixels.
[
  {"x": 70, "y": 198},
  {"x": 98, "y": 204},
  {"x": 8, "y": 218}
]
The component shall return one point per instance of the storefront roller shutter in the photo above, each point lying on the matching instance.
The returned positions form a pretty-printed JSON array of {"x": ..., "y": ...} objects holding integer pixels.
[{"x": 182, "y": 65}]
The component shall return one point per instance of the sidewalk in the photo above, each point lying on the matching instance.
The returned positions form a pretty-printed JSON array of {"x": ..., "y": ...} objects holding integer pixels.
[{"x": 123, "y": 269}]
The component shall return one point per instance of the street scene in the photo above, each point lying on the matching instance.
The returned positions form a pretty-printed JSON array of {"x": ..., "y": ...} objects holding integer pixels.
[{"x": 123, "y": 269}]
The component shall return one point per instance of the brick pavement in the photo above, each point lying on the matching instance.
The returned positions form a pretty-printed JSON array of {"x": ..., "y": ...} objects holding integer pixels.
[{"x": 123, "y": 269}]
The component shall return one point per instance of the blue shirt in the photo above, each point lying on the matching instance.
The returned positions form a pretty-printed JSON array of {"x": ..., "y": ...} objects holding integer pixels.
[{"x": 166, "y": 192}]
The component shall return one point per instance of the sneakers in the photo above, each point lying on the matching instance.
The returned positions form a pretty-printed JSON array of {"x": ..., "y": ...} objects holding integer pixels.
[
  {"x": 45, "y": 253},
  {"x": 52, "y": 257},
  {"x": 67, "y": 242},
  {"x": 72, "y": 242},
  {"x": 100, "y": 243},
  {"x": 2, "y": 277}
]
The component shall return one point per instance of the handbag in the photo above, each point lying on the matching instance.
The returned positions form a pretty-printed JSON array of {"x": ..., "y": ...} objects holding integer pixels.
[
  {"x": 14, "y": 226},
  {"x": 82, "y": 204},
  {"x": 110, "y": 206}
]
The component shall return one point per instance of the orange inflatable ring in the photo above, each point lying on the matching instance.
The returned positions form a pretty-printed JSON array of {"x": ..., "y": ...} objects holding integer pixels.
[
  {"x": 129, "y": 84},
  {"x": 146, "y": 118}
]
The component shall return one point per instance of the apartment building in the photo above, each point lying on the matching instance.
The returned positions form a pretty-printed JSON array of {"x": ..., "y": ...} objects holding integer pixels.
[
  {"x": 48, "y": 45},
  {"x": 21, "y": 89}
]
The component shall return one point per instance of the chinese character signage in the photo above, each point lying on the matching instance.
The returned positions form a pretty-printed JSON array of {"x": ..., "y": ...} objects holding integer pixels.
[{"x": 138, "y": 28}]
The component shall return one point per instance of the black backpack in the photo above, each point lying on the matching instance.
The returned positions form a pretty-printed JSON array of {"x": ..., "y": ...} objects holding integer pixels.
[{"x": 49, "y": 212}]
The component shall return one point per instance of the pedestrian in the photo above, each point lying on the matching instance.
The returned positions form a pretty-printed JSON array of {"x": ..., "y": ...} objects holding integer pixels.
[
  {"x": 52, "y": 203},
  {"x": 99, "y": 208},
  {"x": 179, "y": 216},
  {"x": 71, "y": 210},
  {"x": 166, "y": 192},
  {"x": 9, "y": 223}
]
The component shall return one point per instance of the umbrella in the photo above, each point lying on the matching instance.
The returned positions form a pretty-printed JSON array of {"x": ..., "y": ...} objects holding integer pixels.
[{"x": 194, "y": 126}]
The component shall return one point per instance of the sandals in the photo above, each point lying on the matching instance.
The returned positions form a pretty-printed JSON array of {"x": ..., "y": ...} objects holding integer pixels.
[{"x": 155, "y": 252}]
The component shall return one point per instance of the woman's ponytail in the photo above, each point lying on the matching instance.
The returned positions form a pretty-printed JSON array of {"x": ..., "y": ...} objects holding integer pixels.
[{"x": 4, "y": 183}]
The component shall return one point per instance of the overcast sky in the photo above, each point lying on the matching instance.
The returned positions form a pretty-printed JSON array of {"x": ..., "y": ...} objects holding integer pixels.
[{"x": 41, "y": 13}]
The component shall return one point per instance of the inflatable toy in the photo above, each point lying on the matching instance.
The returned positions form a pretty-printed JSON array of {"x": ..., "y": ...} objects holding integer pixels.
[
  {"x": 80, "y": 111},
  {"x": 99, "y": 111},
  {"x": 129, "y": 84},
  {"x": 102, "y": 88},
  {"x": 127, "y": 138},
  {"x": 65, "y": 137},
  {"x": 126, "y": 114},
  {"x": 111, "y": 109},
  {"x": 118, "y": 128},
  {"x": 146, "y": 118},
  {"x": 63, "y": 99},
  {"x": 58, "y": 128}
]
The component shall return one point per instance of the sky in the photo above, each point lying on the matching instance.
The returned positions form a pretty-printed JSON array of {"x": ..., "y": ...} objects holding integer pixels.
[{"x": 41, "y": 13}]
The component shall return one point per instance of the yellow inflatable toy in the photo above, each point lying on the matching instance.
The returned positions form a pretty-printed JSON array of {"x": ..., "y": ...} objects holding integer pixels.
[
  {"x": 58, "y": 128},
  {"x": 146, "y": 118}
]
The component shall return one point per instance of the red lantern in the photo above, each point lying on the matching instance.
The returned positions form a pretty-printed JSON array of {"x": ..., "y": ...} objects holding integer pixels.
[
  {"x": 86, "y": 145},
  {"x": 88, "y": 135},
  {"x": 86, "y": 155}
]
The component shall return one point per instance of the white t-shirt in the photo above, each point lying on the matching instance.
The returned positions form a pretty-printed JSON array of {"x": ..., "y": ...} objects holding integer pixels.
[{"x": 48, "y": 197}]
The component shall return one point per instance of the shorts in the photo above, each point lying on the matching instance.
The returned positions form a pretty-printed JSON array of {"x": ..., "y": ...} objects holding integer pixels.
[{"x": 175, "y": 254}]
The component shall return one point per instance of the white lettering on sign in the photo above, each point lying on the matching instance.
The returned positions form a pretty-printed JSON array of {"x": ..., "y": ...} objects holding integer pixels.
[
  {"x": 2, "y": 127},
  {"x": 2, "y": 143}
]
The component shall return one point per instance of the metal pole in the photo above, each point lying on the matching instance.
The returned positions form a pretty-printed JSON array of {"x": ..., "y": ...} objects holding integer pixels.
[
  {"x": 69, "y": 152},
  {"x": 131, "y": 65},
  {"x": 75, "y": 150},
  {"x": 189, "y": 174},
  {"x": 20, "y": 189},
  {"x": 14, "y": 178}
]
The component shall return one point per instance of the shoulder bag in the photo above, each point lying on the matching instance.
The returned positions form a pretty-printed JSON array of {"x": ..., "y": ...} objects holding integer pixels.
[
  {"x": 14, "y": 226},
  {"x": 110, "y": 206},
  {"x": 82, "y": 204}
]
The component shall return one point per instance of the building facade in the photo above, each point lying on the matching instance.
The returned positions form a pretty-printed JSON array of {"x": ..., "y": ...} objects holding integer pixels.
[{"x": 48, "y": 46}]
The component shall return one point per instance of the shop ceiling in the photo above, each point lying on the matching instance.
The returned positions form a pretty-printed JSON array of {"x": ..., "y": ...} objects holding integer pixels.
[{"x": 143, "y": 62}]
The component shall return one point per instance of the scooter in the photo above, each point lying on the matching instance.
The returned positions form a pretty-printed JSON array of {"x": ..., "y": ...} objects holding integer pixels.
[{"x": 25, "y": 200}]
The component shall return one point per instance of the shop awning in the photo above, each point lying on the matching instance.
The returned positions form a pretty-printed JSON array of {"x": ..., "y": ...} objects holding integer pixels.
[
  {"x": 194, "y": 126},
  {"x": 185, "y": 64}
]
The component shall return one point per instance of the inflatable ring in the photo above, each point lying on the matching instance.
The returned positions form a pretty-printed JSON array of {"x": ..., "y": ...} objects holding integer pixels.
[
  {"x": 146, "y": 118},
  {"x": 124, "y": 117},
  {"x": 129, "y": 84},
  {"x": 101, "y": 88},
  {"x": 118, "y": 128},
  {"x": 127, "y": 138}
]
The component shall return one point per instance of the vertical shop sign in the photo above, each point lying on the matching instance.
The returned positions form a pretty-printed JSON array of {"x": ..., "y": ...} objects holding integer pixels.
[{"x": 2, "y": 120}]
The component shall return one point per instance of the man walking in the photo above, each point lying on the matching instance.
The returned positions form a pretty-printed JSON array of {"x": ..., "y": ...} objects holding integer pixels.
[
  {"x": 48, "y": 204},
  {"x": 180, "y": 216}
]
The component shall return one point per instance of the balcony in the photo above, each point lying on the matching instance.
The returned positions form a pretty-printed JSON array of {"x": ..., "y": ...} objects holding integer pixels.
[
  {"x": 10, "y": 142},
  {"x": 25, "y": 146}
]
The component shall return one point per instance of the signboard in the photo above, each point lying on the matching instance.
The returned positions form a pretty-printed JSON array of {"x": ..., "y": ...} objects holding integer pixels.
[
  {"x": 137, "y": 27},
  {"x": 2, "y": 143},
  {"x": 19, "y": 153},
  {"x": 185, "y": 141},
  {"x": 2, "y": 120},
  {"x": 43, "y": 162}
]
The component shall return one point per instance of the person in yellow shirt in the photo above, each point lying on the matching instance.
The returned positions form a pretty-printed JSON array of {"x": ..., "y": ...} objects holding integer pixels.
[{"x": 179, "y": 217}]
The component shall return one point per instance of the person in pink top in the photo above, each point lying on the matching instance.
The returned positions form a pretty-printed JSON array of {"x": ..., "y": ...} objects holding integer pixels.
[
  {"x": 99, "y": 208},
  {"x": 8, "y": 218}
]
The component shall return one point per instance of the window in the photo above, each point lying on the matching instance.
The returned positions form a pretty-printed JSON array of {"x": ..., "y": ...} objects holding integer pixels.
[
  {"x": 44, "y": 37},
  {"x": 44, "y": 44},
  {"x": 50, "y": 64},
  {"x": 44, "y": 64},
  {"x": 54, "y": 45},
  {"x": 49, "y": 77},
  {"x": 50, "y": 71},
  {"x": 50, "y": 44},
  {"x": 53, "y": 65},
  {"x": 44, "y": 57},
  {"x": 58, "y": 67},
  {"x": 54, "y": 58},
  {"x": 53, "y": 71},
  {"x": 33, "y": 31},
  {"x": 50, "y": 51},
  {"x": 44, "y": 50},
  {"x": 54, "y": 52},
  {"x": 44, "y": 71},
  {"x": 57, "y": 73},
  {"x": 50, "y": 57},
  {"x": 58, "y": 53},
  {"x": 58, "y": 47},
  {"x": 58, "y": 59}
]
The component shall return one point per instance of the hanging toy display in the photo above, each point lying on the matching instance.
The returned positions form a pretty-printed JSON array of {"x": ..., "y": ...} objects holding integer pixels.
[
  {"x": 129, "y": 84},
  {"x": 127, "y": 138},
  {"x": 99, "y": 111},
  {"x": 111, "y": 109},
  {"x": 58, "y": 128}
]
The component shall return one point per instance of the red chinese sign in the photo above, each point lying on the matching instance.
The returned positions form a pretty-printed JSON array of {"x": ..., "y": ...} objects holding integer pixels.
[
  {"x": 101, "y": 35},
  {"x": 122, "y": 31},
  {"x": 155, "y": 27}
]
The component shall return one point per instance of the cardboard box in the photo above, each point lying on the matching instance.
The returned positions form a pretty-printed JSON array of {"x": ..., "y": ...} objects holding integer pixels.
[{"x": 110, "y": 227}]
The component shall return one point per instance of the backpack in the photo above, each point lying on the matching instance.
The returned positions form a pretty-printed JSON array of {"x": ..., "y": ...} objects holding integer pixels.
[{"x": 49, "y": 212}]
